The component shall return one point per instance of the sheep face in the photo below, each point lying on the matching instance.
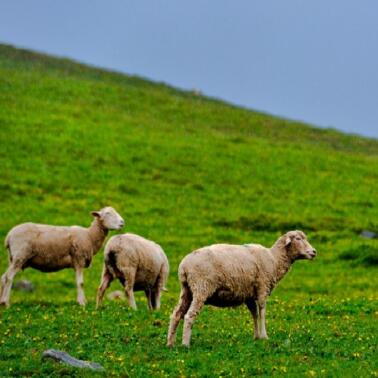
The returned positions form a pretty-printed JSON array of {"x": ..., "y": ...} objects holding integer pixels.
[
  {"x": 109, "y": 218},
  {"x": 298, "y": 247}
]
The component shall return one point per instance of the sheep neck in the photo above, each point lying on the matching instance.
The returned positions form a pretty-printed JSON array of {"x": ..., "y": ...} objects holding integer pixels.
[
  {"x": 282, "y": 261},
  {"x": 97, "y": 233}
]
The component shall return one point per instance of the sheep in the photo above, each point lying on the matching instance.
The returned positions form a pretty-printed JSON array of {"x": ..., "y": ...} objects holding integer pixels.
[
  {"x": 139, "y": 264},
  {"x": 225, "y": 275},
  {"x": 52, "y": 248}
]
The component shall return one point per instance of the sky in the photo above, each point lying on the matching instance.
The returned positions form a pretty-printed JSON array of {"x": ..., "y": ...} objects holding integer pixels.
[{"x": 309, "y": 60}]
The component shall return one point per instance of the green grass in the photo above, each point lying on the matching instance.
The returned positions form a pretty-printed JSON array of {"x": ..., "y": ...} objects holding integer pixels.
[{"x": 185, "y": 171}]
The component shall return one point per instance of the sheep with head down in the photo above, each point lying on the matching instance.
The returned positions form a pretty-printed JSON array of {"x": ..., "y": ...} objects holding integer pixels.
[
  {"x": 52, "y": 248},
  {"x": 139, "y": 264},
  {"x": 227, "y": 275}
]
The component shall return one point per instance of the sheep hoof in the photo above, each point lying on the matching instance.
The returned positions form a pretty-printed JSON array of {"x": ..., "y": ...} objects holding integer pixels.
[
  {"x": 4, "y": 304},
  {"x": 82, "y": 302},
  {"x": 265, "y": 337}
]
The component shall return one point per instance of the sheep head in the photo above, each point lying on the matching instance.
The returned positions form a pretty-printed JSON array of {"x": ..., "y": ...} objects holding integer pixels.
[
  {"x": 109, "y": 218},
  {"x": 297, "y": 246}
]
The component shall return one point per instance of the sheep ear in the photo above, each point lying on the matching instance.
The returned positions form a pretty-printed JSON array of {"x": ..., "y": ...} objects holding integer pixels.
[
  {"x": 287, "y": 241},
  {"x": 95, "y": 214}
]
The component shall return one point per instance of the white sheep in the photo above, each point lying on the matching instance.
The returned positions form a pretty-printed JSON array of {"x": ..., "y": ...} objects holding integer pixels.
[
  {"x": 226, "y": 275},
  {"x": 52, "y": 248},
  {"x": 139, "y": 264}
]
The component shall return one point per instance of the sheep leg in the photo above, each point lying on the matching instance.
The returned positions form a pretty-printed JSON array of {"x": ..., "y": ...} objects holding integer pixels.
[
  {"x": 130, "y": 295},
  {"x": 155, "y": 295},
  {"x": 1, "y": 285},
  {"x": 6, "y": 283},
  {"x": 252, "y": 307},
  {"x": 262, "y": 309},
  {"x": 156, "y": 298},
  {"x": 189, "y": 318},
  {"x": 80, "y": 286},
  {"x": 106, "y": 279},
  {"x": 178, "y": 314},
  {"x": 129, "y": 280},
  {"x": 148, "y": 293},
  {"x": 129, "y": 291}
]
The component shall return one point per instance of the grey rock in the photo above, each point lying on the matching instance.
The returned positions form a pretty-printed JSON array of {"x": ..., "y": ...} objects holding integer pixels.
[
  {"x": 23, "y": 285},
  {"x": 368, "y": 234},
  {"x": 64, "y": 357}
]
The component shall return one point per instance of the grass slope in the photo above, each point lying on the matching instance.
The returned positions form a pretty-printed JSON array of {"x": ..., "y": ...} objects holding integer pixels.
[{"x": 186, "y": 171}]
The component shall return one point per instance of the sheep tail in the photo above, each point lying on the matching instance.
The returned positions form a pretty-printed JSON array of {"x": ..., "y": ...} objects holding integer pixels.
[
  {"x": 182, "y": 276},
  {"x": 163, "y": 275},
  {"x": 111, "y": 262},
  {"x": 6, "y": 242},
  {"x": 7, "y": 247}
]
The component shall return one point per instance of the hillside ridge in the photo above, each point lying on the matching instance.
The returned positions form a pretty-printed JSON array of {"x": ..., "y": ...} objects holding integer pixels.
[{"x": 252, "y": 122}]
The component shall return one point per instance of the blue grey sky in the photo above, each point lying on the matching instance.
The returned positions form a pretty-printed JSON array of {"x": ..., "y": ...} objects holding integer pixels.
[{"x": 315, "y": 61}]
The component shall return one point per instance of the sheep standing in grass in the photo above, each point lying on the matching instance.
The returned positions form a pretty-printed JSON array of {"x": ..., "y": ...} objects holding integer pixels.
[
  {"x": 226, "y": 275},
  {"x": 139, "y": 264},
  {"x": 52, "y": 248}
]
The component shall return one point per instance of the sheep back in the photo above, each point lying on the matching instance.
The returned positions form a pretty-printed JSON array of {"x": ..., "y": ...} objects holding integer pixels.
[
  {"x": 227, "y": 274},
  {"x": 49, "y": 248},
  {"x": 130, "y": 252}
]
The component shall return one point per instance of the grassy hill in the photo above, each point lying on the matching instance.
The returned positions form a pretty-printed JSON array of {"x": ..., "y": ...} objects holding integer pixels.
[{"x": 185, "y": 171}]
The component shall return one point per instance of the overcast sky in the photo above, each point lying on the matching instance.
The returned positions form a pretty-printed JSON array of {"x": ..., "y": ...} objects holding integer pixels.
[{"x": 311, "y": 60}]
